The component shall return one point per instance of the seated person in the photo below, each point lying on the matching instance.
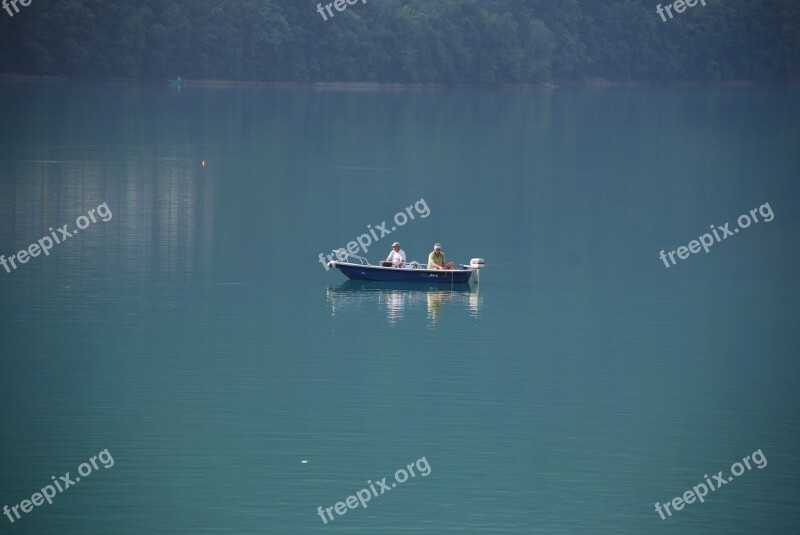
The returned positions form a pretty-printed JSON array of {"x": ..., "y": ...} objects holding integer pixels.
[
  {"x": 436, "y": 259},
  {"x": 396, "y": 258}
]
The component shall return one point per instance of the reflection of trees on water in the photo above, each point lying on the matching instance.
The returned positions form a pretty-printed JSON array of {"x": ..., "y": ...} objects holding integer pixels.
[{"x": 399, "y": 301}]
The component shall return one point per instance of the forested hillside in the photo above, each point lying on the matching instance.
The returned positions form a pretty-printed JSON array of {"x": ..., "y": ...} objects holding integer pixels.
[{"x": 440, "y": 41}]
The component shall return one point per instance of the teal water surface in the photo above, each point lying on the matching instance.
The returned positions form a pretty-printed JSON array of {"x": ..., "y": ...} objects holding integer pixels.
[{"x": 239, "y": 386}]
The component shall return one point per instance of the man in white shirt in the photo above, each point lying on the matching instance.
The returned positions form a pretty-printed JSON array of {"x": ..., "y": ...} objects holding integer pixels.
[{"x": 397, "y": 258}]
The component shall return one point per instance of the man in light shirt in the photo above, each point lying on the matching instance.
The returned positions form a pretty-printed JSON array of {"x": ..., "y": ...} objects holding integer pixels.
[{"x": 396, "y": 258}]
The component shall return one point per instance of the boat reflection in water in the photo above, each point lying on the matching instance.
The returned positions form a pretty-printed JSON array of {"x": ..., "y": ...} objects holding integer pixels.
[{"x": 399, "y": 300}]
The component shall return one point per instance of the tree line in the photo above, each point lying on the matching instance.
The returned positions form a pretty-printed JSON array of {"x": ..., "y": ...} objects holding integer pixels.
[{"x": 404, "y": 41}]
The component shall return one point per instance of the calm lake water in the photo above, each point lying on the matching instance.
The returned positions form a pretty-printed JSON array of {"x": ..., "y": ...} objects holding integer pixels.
[{"x": 238, "y": 385}]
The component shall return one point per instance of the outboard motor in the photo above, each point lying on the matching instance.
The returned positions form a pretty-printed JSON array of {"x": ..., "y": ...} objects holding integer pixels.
[{"x": 477, "y": 264}]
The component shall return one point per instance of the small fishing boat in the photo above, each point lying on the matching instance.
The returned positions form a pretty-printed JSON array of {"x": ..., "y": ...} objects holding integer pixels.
[
  {"x": 411, "y": 272},
  {"x": 177, "y": 83}
]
